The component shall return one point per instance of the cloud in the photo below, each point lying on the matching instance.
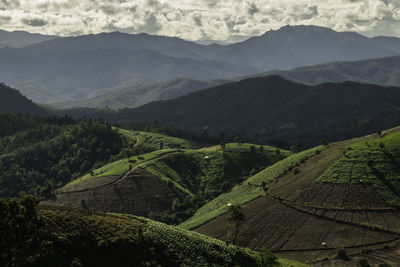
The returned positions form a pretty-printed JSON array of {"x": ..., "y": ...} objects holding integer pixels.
[
  {"x": 253, "y": 9},
  {"x": 4, "y": 19},
  {"x": 34, "y": 22},
  {"x": 229, "y": 20}
]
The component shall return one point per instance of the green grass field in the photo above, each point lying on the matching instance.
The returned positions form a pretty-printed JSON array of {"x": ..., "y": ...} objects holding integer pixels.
[
  {"x": 120, "y": 167},
  {"x": 147, "y": 141},
  {"x": 375, "y": 161},
  {"x": 246, "y": 191}
]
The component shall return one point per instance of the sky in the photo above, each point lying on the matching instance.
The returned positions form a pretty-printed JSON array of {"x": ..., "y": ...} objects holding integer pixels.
[{"x": 223, "y": 20}]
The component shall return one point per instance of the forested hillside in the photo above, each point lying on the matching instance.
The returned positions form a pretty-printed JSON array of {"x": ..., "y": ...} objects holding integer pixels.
[
  {"x": 48, "y": 154},
  {"x": 12, "y": 100},
  {"x": 49, "y": 236},
  {"x": 272, "y": 108}
]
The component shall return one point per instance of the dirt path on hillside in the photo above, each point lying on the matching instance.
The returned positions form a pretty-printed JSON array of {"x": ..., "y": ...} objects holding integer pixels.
[{"x": 113, "y": 179}]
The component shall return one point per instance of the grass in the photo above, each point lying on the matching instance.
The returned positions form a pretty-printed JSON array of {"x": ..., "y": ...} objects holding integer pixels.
[
  {"x": 151, "y": 141},
  {"x": 291, "y": 263},
  {"x": 246, "y": 191},
  {"x": 129, "y": 239},
  {"x": 206, "y": 171},
  {"x": 247, "y": 146},
  {"x": 120, "y": 167},
  {"x": 374, "y": 161}
]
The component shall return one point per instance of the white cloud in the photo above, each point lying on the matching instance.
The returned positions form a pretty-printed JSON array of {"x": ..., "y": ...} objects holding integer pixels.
[{"x": 228, "y": 20}]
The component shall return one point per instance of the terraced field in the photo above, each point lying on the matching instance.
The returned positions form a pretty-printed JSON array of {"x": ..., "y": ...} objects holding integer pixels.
[
  {"x": 311, "y": 207},
  {"x": 166, "y": 184}
]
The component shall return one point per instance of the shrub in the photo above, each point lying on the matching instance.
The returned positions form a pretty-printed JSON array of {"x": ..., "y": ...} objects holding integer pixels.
[
  {"x": 363, "y": 263},
  {"x": 296, "y": 171},
  {"x": 341, "y": 253}
]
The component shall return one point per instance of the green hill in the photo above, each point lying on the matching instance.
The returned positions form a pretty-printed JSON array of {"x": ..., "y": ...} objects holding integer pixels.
[
  {"x": 12, "y": 100},
  {"x": 167, "y": 184},
  {"x": 41, "y": 154},
  {"x": 51, "y": 236},
  {"x": 341, "y": 195},
  {"x": 274, "y": 109}
]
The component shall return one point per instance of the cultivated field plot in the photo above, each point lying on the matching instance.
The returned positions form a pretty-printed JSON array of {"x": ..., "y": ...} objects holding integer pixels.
[
  {"x": 388, "y": 220},
  {"x": 280, "y": 228},
  {"x": 340, "y": 195},
  {"x": 124, "y": 195},
  {"x": 374, "y": 162},
  {"x": 388, "y": 254}
]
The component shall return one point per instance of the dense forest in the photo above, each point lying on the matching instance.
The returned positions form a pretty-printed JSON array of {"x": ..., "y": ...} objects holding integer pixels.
[{"x": 38, "y": 155}]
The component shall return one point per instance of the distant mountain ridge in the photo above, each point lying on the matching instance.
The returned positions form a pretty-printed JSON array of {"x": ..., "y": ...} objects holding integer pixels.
[
  {"x": 11, "y": 100},
  {"x": 71, "y": 75},
  {"x": 93, "y": 63},
  {"x": 18, "y": 39},
  {"x": 272, "y": 108},
  {"x": 382, "y": 71}
]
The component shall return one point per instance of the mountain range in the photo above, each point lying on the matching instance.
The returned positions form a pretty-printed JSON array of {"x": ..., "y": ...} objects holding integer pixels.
[
  {"x": 380, "y": 71},
  {"x": 74, "y": 68},
  {"x": 274, "y": 108}
]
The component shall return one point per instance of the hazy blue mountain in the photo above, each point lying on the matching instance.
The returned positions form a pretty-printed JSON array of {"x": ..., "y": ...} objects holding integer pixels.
[
  {"x": 170, "y": 46},
  {"x": 294, "y": 46},
  {"x": 76, "y": 68},
  {"x": 131, "y": 97},
  {"x": 20, "y": 38},
  {"x": 71, "y": 75},
  {"x": 382, "y": 71},
  {"x": 274, "y": 108},
  {"x": 11, "y": 100},
  {"x": 388, "y": 42}
]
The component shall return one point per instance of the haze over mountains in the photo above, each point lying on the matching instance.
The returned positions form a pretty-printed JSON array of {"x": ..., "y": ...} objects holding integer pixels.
[
  {"x": 75, "y": 68},
  {"x": 131, "y": 97}
]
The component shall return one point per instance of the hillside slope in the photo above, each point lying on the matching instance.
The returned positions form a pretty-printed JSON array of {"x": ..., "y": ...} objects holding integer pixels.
[
  {"x": 345, "y": 194},
  {"x": 274, "y": 108},
  {"x": 12, "y": 100},
  {"x": 168, "y": 184},
  {"x": 50, "y": 236}
]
